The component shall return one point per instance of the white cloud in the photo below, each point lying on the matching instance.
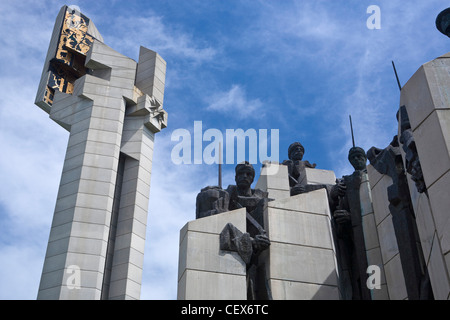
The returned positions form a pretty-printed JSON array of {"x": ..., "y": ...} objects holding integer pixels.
[
  {"x": 234, "y": 102},
  {"x": 153, "y": 33},
  {"x": 33, "y": 148},
  {"x": 20, "y": 270}
]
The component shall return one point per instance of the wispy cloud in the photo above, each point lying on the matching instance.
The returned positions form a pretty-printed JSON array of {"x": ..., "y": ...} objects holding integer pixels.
[
  {"x": 235, "y": 103},
  {"x": 152, "y": 32},
  {"x": 33, "y": 148}
]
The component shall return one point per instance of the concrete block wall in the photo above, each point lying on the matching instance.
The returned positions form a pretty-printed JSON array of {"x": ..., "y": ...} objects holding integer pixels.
[
  {"x": 204, "y": 271},
  {"x": 300, "y": 262},
  {"x": 129, "y": 240},
  {"x": 274, "y": 183},
  {"x": 273, "y": 180},
  {"x": 390, "y": 255},
  {"x": 319, "y": 176},
  {"x": 94, "y": 146},
  {"x": 427, "y": 100},
  {"x": 301, "y": 257},
  {"x": 137, "y": 145},
  {"x": 151, "y": 74},
  {"x": 374, "y": 249}
]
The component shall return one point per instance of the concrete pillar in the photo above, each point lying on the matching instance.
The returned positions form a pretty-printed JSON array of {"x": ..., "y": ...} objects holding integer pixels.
[
  {"x": 96, "y": 242},
  {"x": 426, "y": 97},
  {"x": 393, "y": 281},
  {"x": 273, "y": 180}
]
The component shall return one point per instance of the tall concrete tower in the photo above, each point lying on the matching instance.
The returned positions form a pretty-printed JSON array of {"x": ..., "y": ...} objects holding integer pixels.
[{"x": 112, "y": 107}]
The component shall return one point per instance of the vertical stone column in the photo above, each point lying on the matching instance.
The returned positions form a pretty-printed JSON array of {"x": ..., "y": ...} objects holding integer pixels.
[
  {"x": 390, "y": 254},
  {"x": 129, "y": 239},
  {"x": 273, "y": 180},
  {"x": 301, "y": 259},
  {"x": 94, "y": 114},
  {"x": 96, "y": 242},
  {"x": 371, "y": 239},
  {"x": 142, "y": 121},
  {"x": 427, "y": 101},
  {"x": 127, "y": 264}
]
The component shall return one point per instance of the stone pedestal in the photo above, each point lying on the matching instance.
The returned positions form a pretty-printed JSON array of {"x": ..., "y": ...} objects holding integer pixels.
[
  {"x": 319, "y": 176},
  {"x": 301, "y": 257},
  {"x": 273, "y": 180},
  {"x": 300, "y": 262},
  {"x": 204, "y": 271}
]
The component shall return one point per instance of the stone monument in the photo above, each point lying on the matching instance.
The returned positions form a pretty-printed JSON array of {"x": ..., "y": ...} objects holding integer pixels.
[
  {"x": 381, "y": 233},
  {"x": 252, "y": 241},
  {"x": 304, "y": 176},
  {"x": 260, "y": 243},
  {"x": 409, "y": 182},
  {"x": 112, "y": 107},
  {"x": 413, "y": 268},
  {"x": 427, "y": 104},
  {"x": 347, "y": 214}
]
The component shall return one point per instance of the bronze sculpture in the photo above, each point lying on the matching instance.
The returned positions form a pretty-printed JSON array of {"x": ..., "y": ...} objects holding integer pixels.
[
  {"x": 347, "y": 220},
  {"x": 251, "y": 243},
  {"x": 389, "y": 161},
  {"x": 296, "y": 169}
]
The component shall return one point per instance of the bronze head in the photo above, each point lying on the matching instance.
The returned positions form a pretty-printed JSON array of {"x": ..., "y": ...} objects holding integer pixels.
[
  {"x": 296, "y": 151},
  {"x": 357, "y": 157},
  {"x": 245, "y": 173}
]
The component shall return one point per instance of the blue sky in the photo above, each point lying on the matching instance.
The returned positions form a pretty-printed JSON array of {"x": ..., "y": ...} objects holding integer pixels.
[{"x": 297, "y": 66}]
